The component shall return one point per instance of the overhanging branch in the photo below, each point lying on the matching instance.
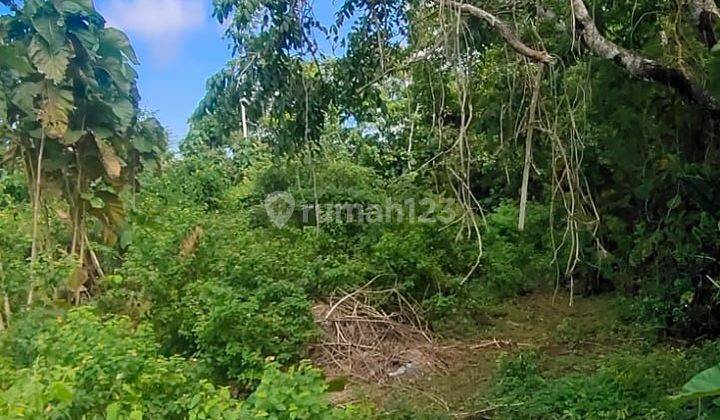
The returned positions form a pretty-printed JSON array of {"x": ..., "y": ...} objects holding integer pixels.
[
  {"x": 503, "y": 30},
  {"x": 637, "y": 65}
]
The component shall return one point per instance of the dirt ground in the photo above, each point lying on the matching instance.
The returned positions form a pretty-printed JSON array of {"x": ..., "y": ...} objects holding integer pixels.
[{"x": 540, "y": 321}]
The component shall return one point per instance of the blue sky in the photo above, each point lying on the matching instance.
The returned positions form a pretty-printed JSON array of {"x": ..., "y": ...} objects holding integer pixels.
[{"x": 180, "y": 46}]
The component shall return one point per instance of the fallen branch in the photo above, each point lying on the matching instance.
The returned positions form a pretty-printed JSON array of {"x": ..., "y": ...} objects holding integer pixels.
[
  {"x": 363, "y": 341},
  {"x": 492, "y": 343}
]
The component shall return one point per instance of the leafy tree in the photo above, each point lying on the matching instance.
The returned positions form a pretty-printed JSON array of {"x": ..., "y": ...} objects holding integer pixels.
[{"x": 69, "y": 112}]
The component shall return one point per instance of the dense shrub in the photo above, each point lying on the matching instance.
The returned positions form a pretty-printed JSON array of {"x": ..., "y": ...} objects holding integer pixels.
[
  {"x": 53, "y": 265},
  {"x": 213, "y": 287},
  {"x": 77, "y": 364},
  {"x": 624, "y": 385},
  {"x": 298, "y": 393},
  {"x": 516, "y": 262},
  {"x": 87, "y": 366},
  {"x": 235, "y": 328}
]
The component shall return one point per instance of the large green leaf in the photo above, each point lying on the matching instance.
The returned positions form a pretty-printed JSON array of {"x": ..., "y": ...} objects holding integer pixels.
[
  {"x": 87, "y": 39},
  {"x": 704, "y": 384},
  {"x": 115, "y": 70},
  {"x": 24, "y": 97},
  {"x": 143, "y": 144},
  {"x": 129, "y": 72},
  {"x": 55, "y": 110},
  {"x": 12, "y": 57},
  {"x": 114, "y": 38},
  {"x": 71, "y": 137},
  {"x": 51, "y": 28},
  {"x": 125, "y": 112},
  {"x": 51, "y": 62},
  {"x": 74, "y": 6},
  {"x": 102, "y": 132}
]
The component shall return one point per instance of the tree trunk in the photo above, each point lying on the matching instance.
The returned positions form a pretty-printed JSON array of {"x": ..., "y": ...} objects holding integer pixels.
[
  {"x": 706, "y": 14},
  {"x": 35, "y": 220},
  {"x": 528, "y": 146},
  {"x": 6, "y": 308}
]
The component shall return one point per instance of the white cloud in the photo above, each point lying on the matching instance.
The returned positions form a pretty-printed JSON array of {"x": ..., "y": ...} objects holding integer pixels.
[
  {"x": 162, "y": 23},
  {"x": 153, "y": 18}
]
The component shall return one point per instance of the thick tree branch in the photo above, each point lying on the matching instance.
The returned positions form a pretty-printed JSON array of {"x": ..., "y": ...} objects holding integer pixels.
[
  {"x": 706, "y": 13},
  {"x": 637, "y": 65},
  {"x": 503, "y": 30}
]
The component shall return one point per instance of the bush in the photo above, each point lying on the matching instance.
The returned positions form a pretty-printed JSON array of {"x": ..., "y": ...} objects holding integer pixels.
[
  {"x": 86, "y": 366},
  {"x": 516, "y": 262},
  {"x": 418, "y": 258},
  {"x": 234, "y": 328},
  {"x": 624, "y": 385},
  {"x": 298, "y": 393},
  {"x": 53, "y": 266}
]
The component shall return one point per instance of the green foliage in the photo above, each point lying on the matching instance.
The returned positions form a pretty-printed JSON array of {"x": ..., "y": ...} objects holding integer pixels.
[
  {"x": 15, "y": 240},
  {"x": 84, "y": 365},
  {"x": 211, "y": 286},
  {"x": 622, "y": 385},
  {"x": 37, "y": 393},
  {"x": 516, "y": 262},
  {"x": 705, "y": 384},
  {"x": 87, "y": 366},
  {"x": 298, "y": 393},
  {"x": 71, "y": 114},
  {"x": 203, "y": 290},
  {"x": 236, "y": 326}
]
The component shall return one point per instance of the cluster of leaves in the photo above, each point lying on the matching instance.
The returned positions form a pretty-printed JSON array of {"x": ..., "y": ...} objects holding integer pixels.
[
  {"x": 517, "y": 262},
  {"x": 191, "y": 276},
  {"x": 15, "y": 240},
  {"x": 69, "y": 112},
  {"x": 78, "y": 364},
  {"x": 623, "y": 385},
  {"x": 70, "y": 97},
  {"x": 704, "y": 385},
  {"x": 297, "y": 393},
  {"x": 200, "y": 271},
  {"x": 625, "y": 134}
]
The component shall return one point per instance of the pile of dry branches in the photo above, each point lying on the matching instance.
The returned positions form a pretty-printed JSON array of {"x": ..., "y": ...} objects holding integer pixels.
[{"x": 365, "y": 342}]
